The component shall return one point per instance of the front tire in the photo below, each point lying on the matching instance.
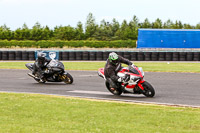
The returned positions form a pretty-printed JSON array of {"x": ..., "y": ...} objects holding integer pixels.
[
  {"x": 148, "y": 89},
  {"x": 67, "y": 78},
  {"x": 115, "y": 92}
]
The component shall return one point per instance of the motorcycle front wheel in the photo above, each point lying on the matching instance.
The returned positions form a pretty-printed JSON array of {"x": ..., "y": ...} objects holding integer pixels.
[
  {"x": 67, "y": 78},
  {"x": 148, "y": 89},
  {"x": 115, "y": 92}
]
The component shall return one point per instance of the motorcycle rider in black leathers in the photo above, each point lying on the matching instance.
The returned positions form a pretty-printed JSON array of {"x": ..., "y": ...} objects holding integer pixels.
[
  {"x": 40, "y": 65},
  {"x": 113, "y": 66}
]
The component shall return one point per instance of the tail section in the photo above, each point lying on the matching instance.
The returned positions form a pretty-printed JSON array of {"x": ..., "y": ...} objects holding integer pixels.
[
  {"x": 29, "y": 66},
  {"x": 101, "y": 73}
]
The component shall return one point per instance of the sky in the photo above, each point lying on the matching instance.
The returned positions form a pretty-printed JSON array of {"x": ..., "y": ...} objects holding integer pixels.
[{"x": 14, "y": 13}]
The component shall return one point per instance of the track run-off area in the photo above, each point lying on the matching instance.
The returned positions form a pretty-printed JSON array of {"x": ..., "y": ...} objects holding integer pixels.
[{"x": 176, "y": 89}]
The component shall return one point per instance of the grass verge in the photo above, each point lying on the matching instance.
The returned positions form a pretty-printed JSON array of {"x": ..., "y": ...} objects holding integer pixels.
[
  {"x": 40, "y": 113},
  {"x": 147, "y": 66}
]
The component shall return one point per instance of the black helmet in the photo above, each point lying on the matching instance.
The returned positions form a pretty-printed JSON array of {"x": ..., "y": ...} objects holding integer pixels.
[{"x": 41, "y": 58}]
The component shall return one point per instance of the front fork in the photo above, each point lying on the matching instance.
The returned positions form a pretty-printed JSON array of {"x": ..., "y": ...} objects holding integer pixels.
[
  {"x": 63, "y": 76},
  {"x": 140, "y": 84}
]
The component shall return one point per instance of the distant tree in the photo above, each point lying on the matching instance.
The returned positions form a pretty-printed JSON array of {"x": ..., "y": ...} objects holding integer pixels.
[
  {"x": 91, "y": 26},
  {"x": 79, "y": 31},
  {"x": 188, "y": 26},
  {"x": 108, "y": 30},
  {"x": 47, "y": 33},
  {"x": 104, "y": 31},
  {"x": 26, "y": 32},
  {"x": 36, "y": 32},
  {"x": 22, "y": 33},
  {"x": 5, "y": 33},
  {"x": 92, "y": 31},
  {"x": 157, "y": 24},
  {"x": 134, "y": 22},
  {"x": 100, "y": 33},
  {"x": 133, "y": 28},
  {"x": 124, "y": 31},
  {"x": 168, "y": 24},
  {"x": 115, "y": 27},
  {"x": 65, "y": 33},
  {"x": 197, "y": 26},
  {"x": 180, "y": 25},
  {"x": 146, "y": 24},
  {"x": 177, "y": 25},
  {"x": 18, "y": 34}
]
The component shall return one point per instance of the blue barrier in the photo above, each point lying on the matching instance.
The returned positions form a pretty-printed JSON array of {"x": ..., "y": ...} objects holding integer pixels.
[{"x": 168, "y": 38}]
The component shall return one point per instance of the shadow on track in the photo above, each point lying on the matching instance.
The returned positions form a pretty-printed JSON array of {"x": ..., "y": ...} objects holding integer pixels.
[{"x": 51, "y": 83}]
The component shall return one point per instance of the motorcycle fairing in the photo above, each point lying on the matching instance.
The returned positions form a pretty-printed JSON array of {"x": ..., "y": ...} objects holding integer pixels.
[{"x": 125, "y": 70}]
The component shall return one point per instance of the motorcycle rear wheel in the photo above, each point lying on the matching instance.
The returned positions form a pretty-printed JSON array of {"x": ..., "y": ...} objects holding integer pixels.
[
  {"x": 67, "y": 78},
  {"x": 148, "y": 89},
  {"x": 115, "y": 92}
]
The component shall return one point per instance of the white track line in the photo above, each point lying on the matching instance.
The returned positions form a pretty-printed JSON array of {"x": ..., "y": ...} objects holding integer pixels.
[
  {"x": 87, "y": 75},
  {"x": 90, "y": 92},
  {"x": 110, "y": 99}
]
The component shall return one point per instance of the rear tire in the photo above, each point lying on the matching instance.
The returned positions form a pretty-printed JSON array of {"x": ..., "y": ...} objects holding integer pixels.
[
  {"x": 67, "y": 78},
  {"x": 148, "y": 89},
  {"x": 115, "y": 92}
]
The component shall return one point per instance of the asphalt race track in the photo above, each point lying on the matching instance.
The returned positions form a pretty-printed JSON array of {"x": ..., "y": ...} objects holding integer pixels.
[{"x": 171, "y": 88}]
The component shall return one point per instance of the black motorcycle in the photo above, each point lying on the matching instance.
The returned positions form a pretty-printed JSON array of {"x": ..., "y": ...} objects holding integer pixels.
[{"x": 53, "y": 72}]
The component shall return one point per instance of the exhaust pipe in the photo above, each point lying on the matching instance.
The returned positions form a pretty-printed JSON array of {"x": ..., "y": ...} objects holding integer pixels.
[{"x": 31, "y": 75}]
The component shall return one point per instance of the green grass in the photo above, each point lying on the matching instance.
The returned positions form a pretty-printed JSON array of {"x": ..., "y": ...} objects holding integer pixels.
[
  {"x": 147, "y": 66},
  {"x": 51, "y": 114},
  {"x": 38, "y": 113}
]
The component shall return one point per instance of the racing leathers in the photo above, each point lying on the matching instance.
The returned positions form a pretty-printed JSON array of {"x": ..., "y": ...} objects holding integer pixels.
[
  {"x": 111, "y": 70},
  {"x": 39, "y": 66}
]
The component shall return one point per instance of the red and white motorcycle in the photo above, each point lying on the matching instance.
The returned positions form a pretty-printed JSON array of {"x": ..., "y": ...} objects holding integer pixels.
[{"x": 133, "y": 82}]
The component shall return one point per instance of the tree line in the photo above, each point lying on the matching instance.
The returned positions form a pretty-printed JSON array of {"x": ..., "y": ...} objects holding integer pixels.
[{"x": 105, "y": 31}]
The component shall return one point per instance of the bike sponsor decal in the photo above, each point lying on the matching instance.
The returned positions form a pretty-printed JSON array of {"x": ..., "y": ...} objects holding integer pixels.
[{"x": 54, "y": 55}]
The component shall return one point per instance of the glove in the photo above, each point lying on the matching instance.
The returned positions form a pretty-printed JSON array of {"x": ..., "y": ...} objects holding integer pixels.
[
  {"x": 120, "y": 79},
  {"x": 132, "y": 65}
]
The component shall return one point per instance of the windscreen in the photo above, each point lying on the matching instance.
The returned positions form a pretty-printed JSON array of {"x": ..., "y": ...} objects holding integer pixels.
[
  {"x": 133, "y": 70},
  {"x": 56, "y": 64},
  {"x": 53, "y": 63}
]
